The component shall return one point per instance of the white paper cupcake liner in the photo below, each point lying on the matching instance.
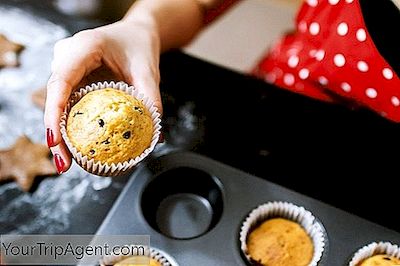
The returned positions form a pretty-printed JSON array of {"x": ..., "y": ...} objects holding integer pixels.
[
  {"x": 105, "y": 169},
  {"x": 278, "y": 209},
  {"x": 154, "y": 253},
  {"x": 381, "y": 248}
]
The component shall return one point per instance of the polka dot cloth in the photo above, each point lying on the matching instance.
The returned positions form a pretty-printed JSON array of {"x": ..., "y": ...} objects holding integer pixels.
[{"x": 332, "y": 53}]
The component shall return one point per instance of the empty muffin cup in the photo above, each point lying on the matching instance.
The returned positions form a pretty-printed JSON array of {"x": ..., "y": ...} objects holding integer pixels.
[
  {"x": 182, "y": 203},
  {"x": 123, "y": 165},
  {"x": 373, "y": 253},
  {"x": 289, "y": 228}
]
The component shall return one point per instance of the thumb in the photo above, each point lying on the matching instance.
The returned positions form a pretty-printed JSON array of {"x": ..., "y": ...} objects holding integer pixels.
[{"x": 147, "y": 82}]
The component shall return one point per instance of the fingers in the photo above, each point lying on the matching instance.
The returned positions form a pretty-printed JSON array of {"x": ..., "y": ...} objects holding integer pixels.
[
  {"x": 62, "y": 157},
  {"x": 147, "y": 79},
  {"x": 73, "y": 59}
]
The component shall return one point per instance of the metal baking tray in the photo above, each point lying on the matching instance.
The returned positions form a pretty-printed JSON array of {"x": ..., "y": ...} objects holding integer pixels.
[{"x": 193, "y": 207}]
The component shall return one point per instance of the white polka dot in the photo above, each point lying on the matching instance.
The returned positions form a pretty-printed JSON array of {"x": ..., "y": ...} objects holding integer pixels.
[
  {"x": 345, "y": 87},
  {"x": 361, "y": 35},
  {"x": 333, "y": 2},
  {"x": 312, "y": 52},
  {"x": 362, "y": 66},
  {"x": 270, "y": 77},
  {"x": 302, "y": 26},
  {"x": 323, "y": 81},
  {"x": 304, "y": 73},
  {"x": 288, "y": 79},
  {"x": 314, "y": 28},
  {"x": 312, "y": 3},
  {"x": 387, "y": 73},
  {"x": 342, "y": 29},
  {"x": 339, "y": 60},
  {"x": 395, "y": 101},
  {"x": 293, "y": 61},
  {"x": 371, "y": 93},
  {"x": 319, "y": 55},
  {"x": 349, "y": 1}
]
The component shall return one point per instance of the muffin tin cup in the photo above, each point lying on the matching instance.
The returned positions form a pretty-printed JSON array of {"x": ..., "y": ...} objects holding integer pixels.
[
  {"x": 153, "y": 253},
  {"x": 105, "y": 169},
  {"x": 278, "y": 209},
  {"x": 381, "y": 248}
]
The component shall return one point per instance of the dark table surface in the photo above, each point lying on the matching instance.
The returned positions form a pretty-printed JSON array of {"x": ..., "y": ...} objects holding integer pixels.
[{"x": 343, "y": 156}]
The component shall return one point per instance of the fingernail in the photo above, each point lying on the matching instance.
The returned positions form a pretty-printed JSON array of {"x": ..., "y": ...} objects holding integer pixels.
[
  {"x": 59, "y": 163},
  {"x": 50, "y": 137}
]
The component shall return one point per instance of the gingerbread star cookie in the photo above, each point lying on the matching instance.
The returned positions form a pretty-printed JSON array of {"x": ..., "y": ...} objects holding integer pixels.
[
  {"x": 24, "y": 161},
  {"x": 9, "y": 52}
]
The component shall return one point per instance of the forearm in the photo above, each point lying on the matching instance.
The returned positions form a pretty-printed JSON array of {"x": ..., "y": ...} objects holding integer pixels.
[{"x": 176, "y": 21}]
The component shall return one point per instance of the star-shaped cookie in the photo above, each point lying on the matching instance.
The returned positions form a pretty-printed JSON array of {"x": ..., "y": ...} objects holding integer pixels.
[
  {"x": 24, "y": 161},
  {"x": 9, "y": 52}
]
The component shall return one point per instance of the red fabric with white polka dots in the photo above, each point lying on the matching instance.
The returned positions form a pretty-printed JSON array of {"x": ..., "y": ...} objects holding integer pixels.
[{"x": 331, "y": 54}]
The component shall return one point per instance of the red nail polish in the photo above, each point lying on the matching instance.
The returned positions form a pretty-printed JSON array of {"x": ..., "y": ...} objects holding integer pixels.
[
  {"x": 50, "y": 137},
  {"x": 59, "y": 163}
]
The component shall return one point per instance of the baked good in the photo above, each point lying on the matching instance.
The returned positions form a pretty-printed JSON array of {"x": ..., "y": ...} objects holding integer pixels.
[
  {"x": 109, "y": 126},
  {"x": 126, "y": 262},
  {"x": 9, "y": 52},
  {"x": 380, "y": 260},
  {"x": 24, "y": 161},
  {"x": 280, "y": 242}
]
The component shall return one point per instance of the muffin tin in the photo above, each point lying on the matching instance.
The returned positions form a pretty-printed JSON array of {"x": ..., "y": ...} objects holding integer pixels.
[{"x": 193, "y": 208}]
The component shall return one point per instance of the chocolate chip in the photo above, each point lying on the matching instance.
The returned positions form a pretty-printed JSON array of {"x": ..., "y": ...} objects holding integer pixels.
[
  {"x": 105, "y": 142},
  {"x": 139, "y": 109},
  {"x": 127, "y": 135},
  {"x": 78, "y": 113},
  {"x": 92, "y": 152},
  {"x": 101, "y": 122},
  {"x": 387, "y": 258}
]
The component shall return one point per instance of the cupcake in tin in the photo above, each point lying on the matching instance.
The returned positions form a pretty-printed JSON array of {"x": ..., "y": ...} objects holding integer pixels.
[
  {"x": 156, "y": 258},
  {"x": 377, "y": 254},
  {"x": 281, "y": 233},
  {"x": 109, "y": 127}
]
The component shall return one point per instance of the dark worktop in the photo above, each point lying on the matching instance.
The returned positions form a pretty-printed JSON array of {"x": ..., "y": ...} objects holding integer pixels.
[{"x": 346, "y": 157}]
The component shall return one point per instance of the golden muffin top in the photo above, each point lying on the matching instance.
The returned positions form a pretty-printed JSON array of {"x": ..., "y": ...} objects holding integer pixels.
[
  {"x": 110, "y": 126},
  {"x": 130, "y": 262},
  {"x": 380, "y": 260},
  {"x": 280, "y": 242}
]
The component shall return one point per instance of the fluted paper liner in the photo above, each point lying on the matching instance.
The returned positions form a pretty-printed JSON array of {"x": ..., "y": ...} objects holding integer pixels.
[
  {"x": 381, "y": 248},
  {"x": 153, "y": 253},
  {"x": 97, "y": 167},
  {"x": 288, "y": 211}
]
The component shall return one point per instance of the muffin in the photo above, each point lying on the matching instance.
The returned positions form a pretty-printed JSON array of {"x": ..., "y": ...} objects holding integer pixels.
[
  {"x": 130, "y": 262},
  {"x": 109, "y": 126},
  {"x": 377, "y": 254},
  {"x": 380, "y": 260},
  {"x": 280, "y": 242},
  {"x": 156, "y": 257},
  {"x": 280, "y": 234}
]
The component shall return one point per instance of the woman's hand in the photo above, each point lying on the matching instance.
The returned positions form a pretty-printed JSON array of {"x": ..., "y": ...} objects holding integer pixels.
[{"x": 129, "y": 49}]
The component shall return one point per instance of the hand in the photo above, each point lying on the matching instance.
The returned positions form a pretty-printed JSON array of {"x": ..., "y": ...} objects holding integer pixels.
[{"x": 130, "y": 49}]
